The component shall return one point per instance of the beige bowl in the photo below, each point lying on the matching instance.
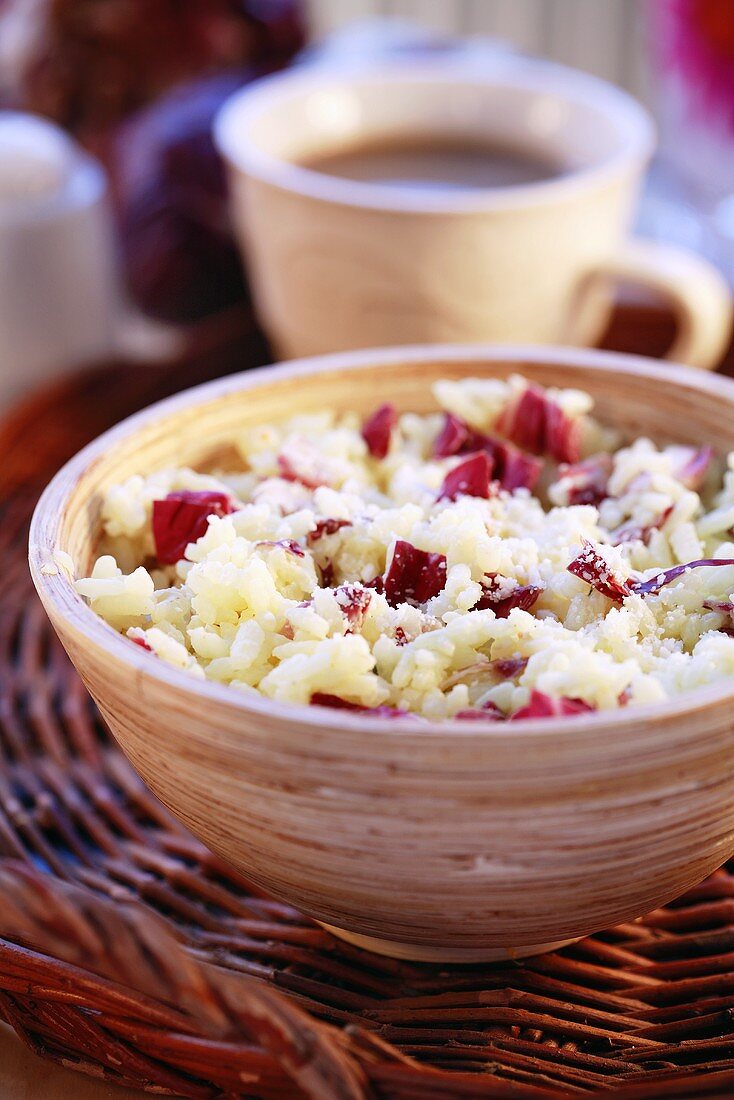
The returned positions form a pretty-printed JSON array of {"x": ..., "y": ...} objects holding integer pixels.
[{"x": 418, "y": 840}]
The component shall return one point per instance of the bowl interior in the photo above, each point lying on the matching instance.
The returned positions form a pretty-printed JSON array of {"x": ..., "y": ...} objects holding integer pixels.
[{"x": 194, "y": 428}]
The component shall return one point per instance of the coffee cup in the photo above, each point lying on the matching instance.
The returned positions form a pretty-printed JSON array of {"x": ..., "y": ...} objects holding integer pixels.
[{"x": 339, "y": 263}]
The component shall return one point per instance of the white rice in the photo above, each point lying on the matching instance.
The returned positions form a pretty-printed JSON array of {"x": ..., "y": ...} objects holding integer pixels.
[{"x": 239, "y": 610}]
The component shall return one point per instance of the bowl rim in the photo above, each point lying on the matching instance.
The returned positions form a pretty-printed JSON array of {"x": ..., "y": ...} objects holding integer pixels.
[{"x": 56, "y": 589}]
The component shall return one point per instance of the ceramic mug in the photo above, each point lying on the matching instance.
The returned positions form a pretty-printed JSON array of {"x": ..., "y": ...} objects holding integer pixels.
[
  {"x": 339, "y": 264},
  {"x": 61, "y": 301},
  {"x": 58, "y": 279}
]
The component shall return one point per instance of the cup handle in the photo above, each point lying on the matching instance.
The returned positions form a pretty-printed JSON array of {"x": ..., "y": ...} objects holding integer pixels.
[{"x": 700, "y": 296}]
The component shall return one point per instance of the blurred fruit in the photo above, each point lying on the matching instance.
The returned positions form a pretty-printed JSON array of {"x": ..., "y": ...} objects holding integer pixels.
[
  {"x": 179, "y": 251},
  {"x": 89, "y": 63},
  {"x": 139, "y": 82}
]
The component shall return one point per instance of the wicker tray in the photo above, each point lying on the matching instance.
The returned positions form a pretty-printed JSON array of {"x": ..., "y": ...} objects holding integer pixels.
[{"x": 130, "y": 952}]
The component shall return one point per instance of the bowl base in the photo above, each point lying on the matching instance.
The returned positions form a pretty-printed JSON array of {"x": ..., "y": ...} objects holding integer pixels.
[{"x": 416, "y": 952}]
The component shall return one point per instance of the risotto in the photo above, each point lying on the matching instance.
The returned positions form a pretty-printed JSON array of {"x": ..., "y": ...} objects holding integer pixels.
[{"x": 506, "y": 557}]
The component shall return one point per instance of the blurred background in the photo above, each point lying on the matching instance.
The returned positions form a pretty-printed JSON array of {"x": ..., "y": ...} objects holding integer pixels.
[
  {"x": 606, "y": 37},
  {"x": 135, "y": 85}
]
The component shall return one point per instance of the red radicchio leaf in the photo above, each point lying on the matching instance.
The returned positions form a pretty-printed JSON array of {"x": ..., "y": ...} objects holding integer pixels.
[
  {"x": 516, "y": 470},
  {"x": 470, "y": 478},
  {"x": 285, "y": 544},
  {"x": 138, "y": 640},
  {"x": 666, "y": 576},
  {"x": 377, "y": 430},
  {"x": 512, "y": 468},
  {"x": 544, "y": 706},
  {"x": 692, "y": 472},
  {"x": 523, "y": 420},
  {"x": 377, "y": 584},
  {"x": 489, "y": 712},
  {"x": 624, "y": 697},
  {"x": 562, "y": 434},
  {"x": 724, "y": 607},
  {"x": 523, "y": 596},
  {"x": 631, "y": 532},
  {"x": 591, "y": 567},
  {"x": 452, "y": 438},
  {"x": 589, "y": 479},
  {"x": 389, "y": 712},
  {"x": 327, "y": 574},
  {"x": 182, "y": 518},
  {"x": 400, "y": 636},
  {"x": 326, "y": 527},
  {"x": 414, "y": 575},
  {"x": 323, "y": 699},
  {"x": 354, "y": 600},
  {"x": 538, "y": 424},
  {"x": 507, "y": 667}
]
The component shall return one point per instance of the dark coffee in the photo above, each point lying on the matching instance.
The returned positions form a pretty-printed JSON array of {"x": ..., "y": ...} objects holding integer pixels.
[{"x": 438, "y": 163}]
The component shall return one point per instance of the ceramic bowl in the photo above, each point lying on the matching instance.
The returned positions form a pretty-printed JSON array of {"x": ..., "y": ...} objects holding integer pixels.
[{"x": 419, "y": 840}]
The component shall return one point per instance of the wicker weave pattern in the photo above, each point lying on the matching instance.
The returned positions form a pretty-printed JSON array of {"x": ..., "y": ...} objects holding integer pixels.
[{"x": 127, "y": 949}]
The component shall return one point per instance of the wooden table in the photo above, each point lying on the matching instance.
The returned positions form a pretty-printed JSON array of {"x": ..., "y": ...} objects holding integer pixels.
[{"x": 23, "y": 1076}]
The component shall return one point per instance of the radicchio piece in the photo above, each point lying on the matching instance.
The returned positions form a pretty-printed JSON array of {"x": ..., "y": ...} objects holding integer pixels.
[
  {"x": 694, "y": 469},
  {"x": 515, "y": 469},
  {"x": 353, "y": 599},
  {"x": 635, "y": 532},
  {"x": 323, "y": 699},
  {"x": 377, "y": 584},
  {"x": 285, "y": 544},
  {"x": 510, "y": 467},
  {"x": 182, "y": 517},
  {"x": 591, "y": 567},
  {"x": 523, "y": 596},
  {"x": 472, "y": 478},
  {"x": 326, "y": 527},
  {"x": 453, "y": 437},
  {"x": 414, "y": 575},
  {"x": 667, "y": 576},
  {"x": 489, "y": 712},
  {"x": 545, "y": 706},
  {"x": 509, "y": 667},
  {"x": 327, "y": 574},
  {"x": 523, "y": 420},
  {"x": 562, "y": 434},
  {"x": 536, "y": 423},
  {"x": 587, "y": 480},
  {"x": 377, "y": 430},
  {"x": 139, "y": 640},
  {"x": 725, "y": 608}
]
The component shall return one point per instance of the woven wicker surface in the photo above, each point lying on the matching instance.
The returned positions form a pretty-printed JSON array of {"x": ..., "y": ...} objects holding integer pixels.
[{"x": 126, "y": 949}]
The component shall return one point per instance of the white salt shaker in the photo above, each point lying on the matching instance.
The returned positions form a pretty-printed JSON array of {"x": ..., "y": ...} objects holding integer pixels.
[{"x": 59, "y": 292}]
